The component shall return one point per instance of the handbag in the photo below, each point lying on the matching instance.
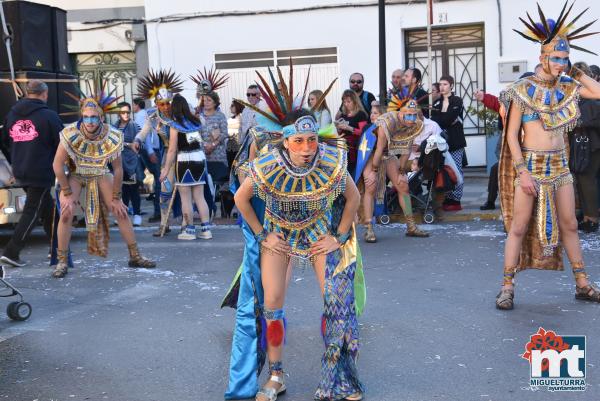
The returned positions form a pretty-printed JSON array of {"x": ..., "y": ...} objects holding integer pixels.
[
  {"x": 579, "y": 159},
  {"x": 445, "y": 179}
]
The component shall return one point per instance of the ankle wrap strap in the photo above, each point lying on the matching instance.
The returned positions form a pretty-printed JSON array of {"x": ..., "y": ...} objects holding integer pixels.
[
  {"x": 579, "y": 269},
  {"x": 273, "y": 314},
  {"x": 509, "y": 275},
  {"x": 276, "y": 367}
]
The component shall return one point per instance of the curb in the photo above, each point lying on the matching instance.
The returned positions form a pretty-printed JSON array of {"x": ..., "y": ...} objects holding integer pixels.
[{"x": 453, "y": 217}]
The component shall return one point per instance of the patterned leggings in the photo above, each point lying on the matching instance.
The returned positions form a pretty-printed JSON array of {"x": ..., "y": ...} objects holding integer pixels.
[{"x": 457, "y": 155}]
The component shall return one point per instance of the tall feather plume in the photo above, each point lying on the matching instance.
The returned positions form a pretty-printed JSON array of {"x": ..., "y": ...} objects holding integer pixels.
[
  {"x": 305, "y": 86},
  {"x": 284, "y": 88},
  {"x": 291, "y": 80},
  {"x": 213, "y": 76},
  {"x": 277, "y": 92},
  {"x": 275, "y": 106},
  {"x": 542, "y": 33},
  {"x": 106, "y": 101},
  {"x": 149, "y": 85},
  {"x": 321, "y": 99}
]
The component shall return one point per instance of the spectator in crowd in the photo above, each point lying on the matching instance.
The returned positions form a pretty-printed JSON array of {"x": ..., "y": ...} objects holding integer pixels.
[
  {"x": 350, "y": 124},
  {"x": 322, "y": 114},
  {"x": 412, "y": 79},
  {"x": 151, "y": 155},
  {"x": 248, "y": 115},
  {"x": 396, "y": 84},
  {"x": 588, "y": 131},
  {"x": 130, "y": 187},
  {"x": 214, "y": 135},
  {"x": 139, "y": 112},
  {"x": 357, "y": 82},
  {"x": 29, "y": 141},
  {"x": 435, "y": 91},
  {"x": 185, "y": 151},
  {"x": 234, "y": 127},
  {"x": 447, "y": 111}
]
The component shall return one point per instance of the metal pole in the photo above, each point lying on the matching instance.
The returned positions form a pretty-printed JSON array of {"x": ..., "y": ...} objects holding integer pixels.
[
  {"x": 429, "y": 58},
  {"x": 382, "y": 59}
]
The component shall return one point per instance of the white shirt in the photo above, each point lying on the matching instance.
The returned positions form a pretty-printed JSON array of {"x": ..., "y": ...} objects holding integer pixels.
[{"x": 430, "y": 127}]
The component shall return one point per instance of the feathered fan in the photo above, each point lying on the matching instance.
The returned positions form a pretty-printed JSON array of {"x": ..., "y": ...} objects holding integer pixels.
[
  {"x": 281, "y": 100},
  {"x": 209, "y": 81},
  {"x": 545, "y": 31},
  {"x": 105, "y": 100},
  {"x": 150, "y": 85},
  {"x": 398, "y": 102}
]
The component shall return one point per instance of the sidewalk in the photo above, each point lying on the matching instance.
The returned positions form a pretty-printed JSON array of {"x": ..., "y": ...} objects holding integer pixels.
[{"x": 474, "y": 195}]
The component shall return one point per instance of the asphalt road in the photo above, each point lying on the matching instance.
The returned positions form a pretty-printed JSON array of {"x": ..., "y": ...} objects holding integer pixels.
[{"x": 429, "y": 332}]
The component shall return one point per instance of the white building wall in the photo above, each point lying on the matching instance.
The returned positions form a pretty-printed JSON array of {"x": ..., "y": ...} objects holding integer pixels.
[{"x": 186, "y": 45}]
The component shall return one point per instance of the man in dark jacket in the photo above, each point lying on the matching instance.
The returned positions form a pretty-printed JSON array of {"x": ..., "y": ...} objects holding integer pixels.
[{"x": 29, "y": 141}]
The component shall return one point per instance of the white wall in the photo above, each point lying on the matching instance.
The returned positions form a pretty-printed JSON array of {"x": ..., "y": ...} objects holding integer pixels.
[{"x": 90, "y": 4}]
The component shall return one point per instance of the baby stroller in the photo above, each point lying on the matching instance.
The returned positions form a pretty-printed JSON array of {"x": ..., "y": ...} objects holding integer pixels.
[
  {"x": 420, "y": 195},
  {"x": 17, "y": 310}
]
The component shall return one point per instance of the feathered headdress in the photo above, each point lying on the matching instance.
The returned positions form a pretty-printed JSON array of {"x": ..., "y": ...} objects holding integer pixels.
[
  {"x": 159, "y": 85},
  {"x": 280, "y": 101},
  {"x": 208, "y": 81},
  {"x": 555, "y": 35},
  {"x": 405, "y": 100},
  {"x": 104, "y": 102}
]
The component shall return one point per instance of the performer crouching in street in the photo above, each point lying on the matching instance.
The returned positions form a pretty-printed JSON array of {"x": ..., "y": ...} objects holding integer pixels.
[{"x": 86, "y": 149}]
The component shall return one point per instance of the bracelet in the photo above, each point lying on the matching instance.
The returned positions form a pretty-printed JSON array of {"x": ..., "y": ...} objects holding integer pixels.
[
  {"x": 343, "y": 238},
  {"x": 66, "y": 191},
  {"x": 520, "y": 165},
  {"x": 116, "y": 195},
  {"x": 575, "y": 73},
  {"x": 261, "y": 236}
]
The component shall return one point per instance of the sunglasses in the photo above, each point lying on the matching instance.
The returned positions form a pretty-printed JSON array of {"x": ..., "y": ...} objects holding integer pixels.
[
  {"x": 560, "y": 60},
  {"x": 352, "y": 81},
  {"x": 410, "y": 117},
  {"x": 252, "y": 94},
  {"x": 91, "y": 120}
]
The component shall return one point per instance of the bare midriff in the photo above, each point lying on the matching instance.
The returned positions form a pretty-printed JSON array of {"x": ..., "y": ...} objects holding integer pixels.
[{"x": 537, "y": 138}]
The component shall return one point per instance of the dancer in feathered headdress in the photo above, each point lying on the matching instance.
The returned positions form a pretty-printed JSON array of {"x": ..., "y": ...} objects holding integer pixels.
[
  {"x": 297, "y": 202},
  {"x": 214, "y": 125},
  {"x": 534, "y": 177},
  {"x": 160, "y": 86},
  {"x": 394, "y": 131},
  {"x": 278, "y": 100},
  {"x": 88, "y": 146}
]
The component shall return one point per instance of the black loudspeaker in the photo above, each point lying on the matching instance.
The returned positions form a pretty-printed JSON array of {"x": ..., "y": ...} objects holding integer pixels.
[
  {"x": 67, "y": 83},
  {"x": 62, "y": 62},
  {"x": 30, "y": 26},
  {"x": 7, "y": 95}
]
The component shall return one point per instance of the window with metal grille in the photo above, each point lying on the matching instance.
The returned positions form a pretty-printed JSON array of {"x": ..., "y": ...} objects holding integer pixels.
[{"x": 271, "y": 58}]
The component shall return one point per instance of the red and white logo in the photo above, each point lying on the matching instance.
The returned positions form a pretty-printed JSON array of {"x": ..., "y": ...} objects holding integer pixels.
[{"x": 23, "y": 131}]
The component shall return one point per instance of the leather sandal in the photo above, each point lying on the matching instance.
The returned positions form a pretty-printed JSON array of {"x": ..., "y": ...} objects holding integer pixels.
[
  {"x": 504, "y": 299},
  {"x": 590, "y": 292},
  {"x": 370, "y": 234},
  {"x": 60, "y": 270},
  {"x": 270, "y": 393}
]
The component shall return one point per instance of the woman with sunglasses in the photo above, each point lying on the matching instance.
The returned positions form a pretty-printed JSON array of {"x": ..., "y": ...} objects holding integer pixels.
[{"x": 534, "y": 177}]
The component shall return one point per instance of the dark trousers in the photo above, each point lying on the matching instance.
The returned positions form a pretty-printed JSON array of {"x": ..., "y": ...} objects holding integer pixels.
[
  {"x": 493, "y": 184},
  {"x": 587, "y": 186},
  {"x": 131, "y": 192},
  {"x": 39, "y": 204},
  {"x": 154, "y": 169}
]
